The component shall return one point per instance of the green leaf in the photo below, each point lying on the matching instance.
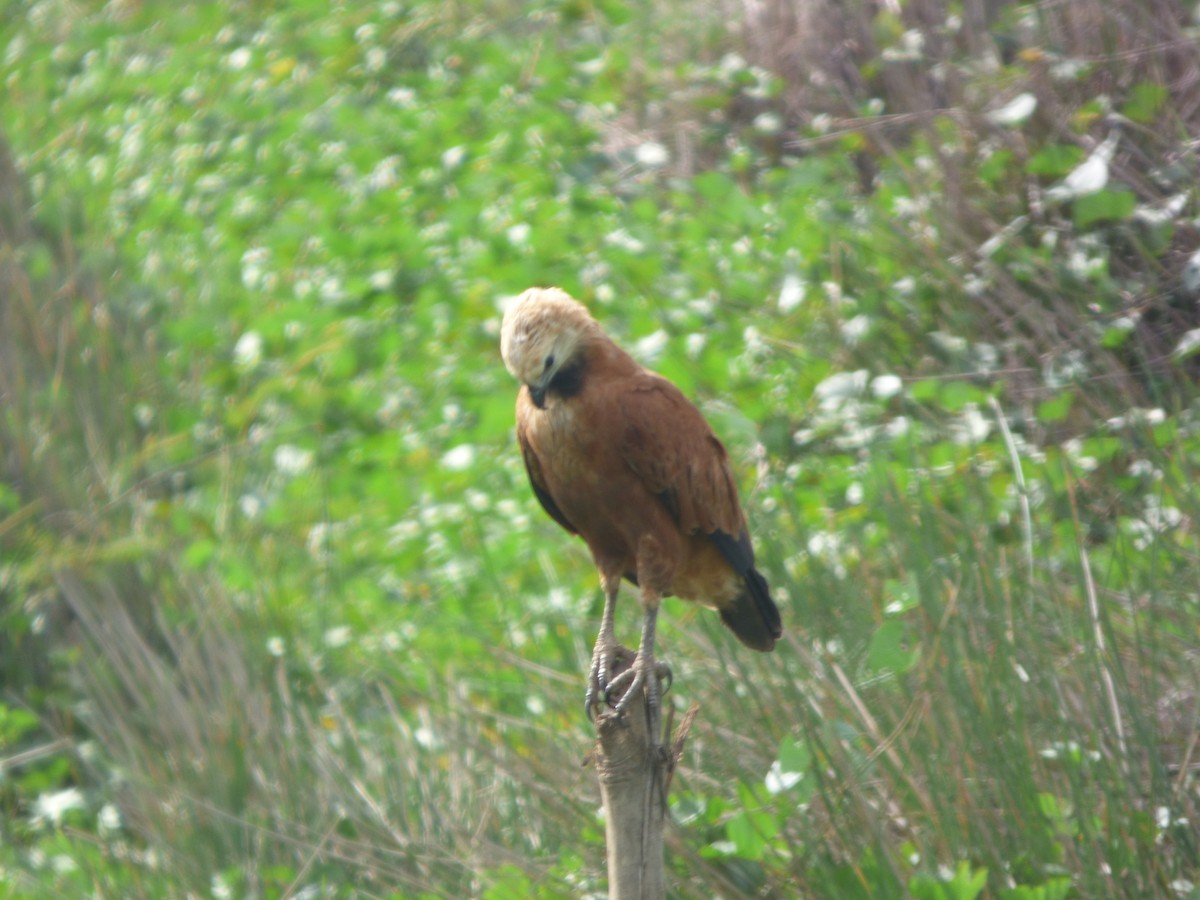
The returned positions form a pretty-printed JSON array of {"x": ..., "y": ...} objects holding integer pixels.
[
  {"x": 508, "y": 883},
  {"x": 955, "y": 395},
  {"x": 1144, "y": 101},
  {"x": 995, "y": 167},
  {"x": 199, "y": 553},
  {"x": 1056, "y": 408},
  {"x": 924, "y": 391},
  {"x": 1054, "y": 161},
  {"x": 1115, "y": 337},
  {"x": 965, "y": 884},
  {"x": 9, "y": 500},
  {"x": 890, "y": 648},
  {"x": 1103, "y": 206},
  {"x": 900, "y": 596},
  {"x": 749, "y": 833},
  {"x": 794, "y": 755},
  {"x": 14, "y": 724},
  {"x": 1054, "y": 889},
  {"x": 790, "y": 772}
]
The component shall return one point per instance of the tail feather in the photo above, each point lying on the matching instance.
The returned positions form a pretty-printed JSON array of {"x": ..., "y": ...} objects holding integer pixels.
[{"x": 753, "y": 615}]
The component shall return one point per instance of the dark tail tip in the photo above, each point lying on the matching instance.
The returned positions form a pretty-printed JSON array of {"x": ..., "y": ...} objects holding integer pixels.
[{"x": 753, "y": 615}]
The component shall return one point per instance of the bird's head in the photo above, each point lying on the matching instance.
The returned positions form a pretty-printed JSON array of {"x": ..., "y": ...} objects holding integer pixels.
[{"x": 543, "y": 333}]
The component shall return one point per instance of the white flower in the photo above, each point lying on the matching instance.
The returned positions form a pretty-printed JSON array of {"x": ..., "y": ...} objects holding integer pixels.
[
  {"x": 839, "y": 387},
  {"x": 535, "y": 705},
  {"x": 652, "y": 155},
  {"x": 331, "y": 289},
  {"x": 855, "y": 329},
  {"x": 971, "y": 427},
  {"x": 276, "y": 646},
  {"x": 1015, "y": 111},
  {"x": 886, "y": 386},
  {"x": 459, "y": 458},
  {"x": 63, "y": 864},
  {"x": 1190, "y": 276},
  {"x": 591, "y": 66},
  {"x": 519, "y": 234},
  {"x": 404, "y": 530},
  {"x": 247, "y": 352},
  {"x": 1188, "y": 344},
  {"x": 649, "y": 347},
  {"x": 791, "y": 293},
  {"x": 910, "y": 47},
  {"x": 337, "y": 637},
  {"x": 453, "y": 157},
  {"x": 624, "y": 240},
  {"x": 768, "y": 123},
  {"x": 1089, "y": 176},
  {"x": 779, "y": 781},
  {"x": 402, "y": 96},
  {"x": 251, "y": 505},
  {"x": 109, "y": 818},
  {"x": 385, "y": 174},
  {"x": 731, "y": 64},
  {"x": 238, "y": 59},
  {"x": 317, "y": 542},
  {"x": 754, "y": 340},
  {"x": 292, "y": 460},
  {"x": 52, "y": 807}
]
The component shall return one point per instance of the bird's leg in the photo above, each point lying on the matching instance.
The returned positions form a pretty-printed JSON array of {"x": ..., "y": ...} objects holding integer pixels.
[
  {"x": 606, "y": 651},
  {"x": 645, "y": 674}
]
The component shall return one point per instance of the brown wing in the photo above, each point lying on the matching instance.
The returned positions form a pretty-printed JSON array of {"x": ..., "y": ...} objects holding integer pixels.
[
  {"x": 533, "y": 468},
  {"x": 668, "y": 444}
]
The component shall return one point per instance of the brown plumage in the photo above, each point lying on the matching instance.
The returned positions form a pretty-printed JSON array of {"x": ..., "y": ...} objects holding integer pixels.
[{"x": 617, "y": 455}]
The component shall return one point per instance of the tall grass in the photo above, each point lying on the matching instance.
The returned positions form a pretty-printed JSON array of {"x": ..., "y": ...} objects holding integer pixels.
[
  {"x": 224, "y": 762},
  {"x": 878, "y": 80},
  {"x": 987, "y": 684},
  {"x": 1036, "y": 717}
]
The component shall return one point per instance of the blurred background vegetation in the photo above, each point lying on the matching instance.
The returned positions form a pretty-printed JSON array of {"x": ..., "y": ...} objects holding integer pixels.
[{"x": 280, "y": 616}]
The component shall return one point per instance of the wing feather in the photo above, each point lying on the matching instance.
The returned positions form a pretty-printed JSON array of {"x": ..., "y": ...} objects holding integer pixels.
[{"x": 669, "y": 445}]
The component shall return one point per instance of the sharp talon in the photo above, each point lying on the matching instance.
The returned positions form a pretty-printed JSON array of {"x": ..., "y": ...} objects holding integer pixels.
[
  {"x": 664, "y": 673},
  {"x": 599, "y": 686}
]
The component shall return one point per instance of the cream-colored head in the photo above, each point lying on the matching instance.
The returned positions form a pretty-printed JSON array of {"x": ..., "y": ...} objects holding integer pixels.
[{"x": 542, "y": 333}]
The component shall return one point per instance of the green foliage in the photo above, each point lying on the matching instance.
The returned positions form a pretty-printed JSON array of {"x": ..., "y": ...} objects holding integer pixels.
[
  {"x": 279, "y": 614},
  {"x": 1103, "y": 206},
  {"x": 1145, "y": 101},
  {"x": 964, "y": 883}
]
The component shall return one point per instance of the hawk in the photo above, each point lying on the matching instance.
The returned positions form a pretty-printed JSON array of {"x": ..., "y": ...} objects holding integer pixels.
[{"x": 619, "y": 456}]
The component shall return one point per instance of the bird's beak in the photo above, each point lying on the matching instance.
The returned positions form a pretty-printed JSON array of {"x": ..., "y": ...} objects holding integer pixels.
[{"x": 537, "y": 393}]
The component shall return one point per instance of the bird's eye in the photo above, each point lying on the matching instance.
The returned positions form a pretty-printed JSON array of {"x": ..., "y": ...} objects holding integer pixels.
[{"x": 549, "y": 362}]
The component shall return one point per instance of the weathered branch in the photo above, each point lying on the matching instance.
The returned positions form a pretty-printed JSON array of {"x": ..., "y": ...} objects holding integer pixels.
[
  {"x": 633, "y": 787},
  {"x": 634, "y": 778}
]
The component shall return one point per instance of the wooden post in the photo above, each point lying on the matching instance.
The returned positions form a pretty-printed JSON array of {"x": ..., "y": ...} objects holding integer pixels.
[{"x": 633, "y": 786}]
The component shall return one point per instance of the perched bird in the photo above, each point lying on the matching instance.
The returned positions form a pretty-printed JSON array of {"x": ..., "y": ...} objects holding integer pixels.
[{"x": 617, "y": 455}]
